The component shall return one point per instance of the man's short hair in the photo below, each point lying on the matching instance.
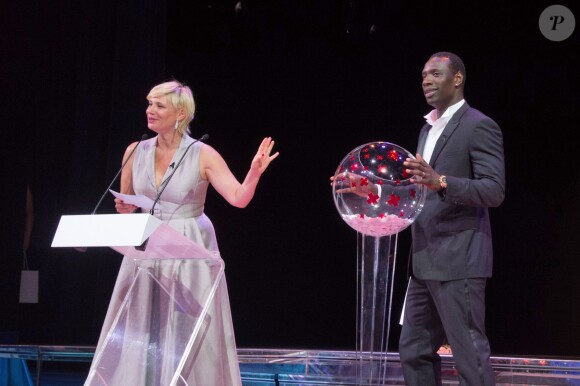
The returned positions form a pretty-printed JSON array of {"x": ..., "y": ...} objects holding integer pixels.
[{"x": 455, "y": 62}]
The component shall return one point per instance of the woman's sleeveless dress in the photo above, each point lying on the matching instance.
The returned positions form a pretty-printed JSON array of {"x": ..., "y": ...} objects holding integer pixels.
[{"x": 181, "y": 204}]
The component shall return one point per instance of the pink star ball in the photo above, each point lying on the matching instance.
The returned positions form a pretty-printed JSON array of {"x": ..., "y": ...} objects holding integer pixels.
[{"x": 372, "y": 191}]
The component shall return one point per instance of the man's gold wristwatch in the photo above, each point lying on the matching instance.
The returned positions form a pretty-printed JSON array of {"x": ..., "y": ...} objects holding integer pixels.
[{"x": 443, "y": 182}]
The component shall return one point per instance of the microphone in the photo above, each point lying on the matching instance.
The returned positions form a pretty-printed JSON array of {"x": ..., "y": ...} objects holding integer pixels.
[
  {"x": 143, "y": 138},
  {"x": 164, "y": 183},
  {"x": 172, "y": 165}
]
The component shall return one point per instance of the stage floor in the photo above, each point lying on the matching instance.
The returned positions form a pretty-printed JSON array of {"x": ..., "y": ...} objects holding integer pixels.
[
  {"x": 60, "y": 365},
  {"x": 310, "y": 367}
]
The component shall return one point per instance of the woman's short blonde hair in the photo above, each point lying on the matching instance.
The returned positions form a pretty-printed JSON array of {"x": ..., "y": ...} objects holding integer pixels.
[{"x": 180, "y": 96}]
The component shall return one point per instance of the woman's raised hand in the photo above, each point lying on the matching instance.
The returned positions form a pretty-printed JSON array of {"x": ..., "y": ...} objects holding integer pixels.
[{"x": 263, "y": 158}]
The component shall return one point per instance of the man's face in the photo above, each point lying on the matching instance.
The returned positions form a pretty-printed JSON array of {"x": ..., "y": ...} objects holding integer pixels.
[{"x": 439, "y": 83}]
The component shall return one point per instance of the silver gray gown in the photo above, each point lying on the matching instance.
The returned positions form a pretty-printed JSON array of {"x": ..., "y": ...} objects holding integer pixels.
[{"x": 213, "y": 359}]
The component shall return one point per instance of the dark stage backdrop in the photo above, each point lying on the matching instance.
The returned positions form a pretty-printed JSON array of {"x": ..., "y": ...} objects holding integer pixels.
[{"x": 322, "y": 77}]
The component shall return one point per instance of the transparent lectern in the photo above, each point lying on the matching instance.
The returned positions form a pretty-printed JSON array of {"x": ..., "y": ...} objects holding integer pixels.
[{"x": 168, "y": 329}]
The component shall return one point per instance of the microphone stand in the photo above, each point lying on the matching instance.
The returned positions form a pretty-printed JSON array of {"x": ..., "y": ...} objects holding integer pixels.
[{"x": 143, "y": 137}]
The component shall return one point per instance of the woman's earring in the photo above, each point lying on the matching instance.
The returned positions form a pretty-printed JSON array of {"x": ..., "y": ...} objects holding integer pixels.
[{"x": 176, "y": 124}]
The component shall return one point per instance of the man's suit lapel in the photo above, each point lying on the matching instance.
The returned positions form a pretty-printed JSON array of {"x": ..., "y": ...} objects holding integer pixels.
[
  {"x": 422, "y": 140},
  {"x": 447, "y": 132}
]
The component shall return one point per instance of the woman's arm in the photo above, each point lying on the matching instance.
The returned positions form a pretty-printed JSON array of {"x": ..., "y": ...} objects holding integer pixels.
[
  {"x": 126, "y": 182},
  {"x": 215, "y": 169}
]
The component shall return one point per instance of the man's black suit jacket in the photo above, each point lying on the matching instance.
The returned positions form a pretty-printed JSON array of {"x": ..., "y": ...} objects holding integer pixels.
[{"x": 452, "y": 234}]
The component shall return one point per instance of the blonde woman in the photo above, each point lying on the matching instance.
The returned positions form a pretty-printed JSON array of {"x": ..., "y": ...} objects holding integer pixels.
[{"x": 192, "y": 166}]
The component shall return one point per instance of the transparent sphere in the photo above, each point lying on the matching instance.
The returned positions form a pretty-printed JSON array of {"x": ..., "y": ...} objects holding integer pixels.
[{"x": 372, "y": 191}]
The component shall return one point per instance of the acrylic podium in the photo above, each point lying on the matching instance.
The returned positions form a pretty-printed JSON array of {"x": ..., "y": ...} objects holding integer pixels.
[{"x": 169, "y": 317}]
